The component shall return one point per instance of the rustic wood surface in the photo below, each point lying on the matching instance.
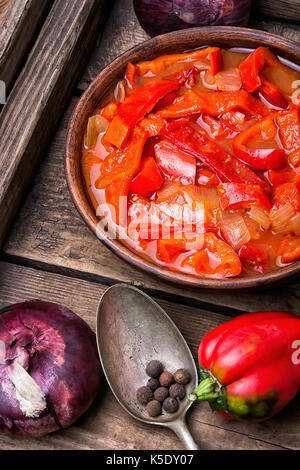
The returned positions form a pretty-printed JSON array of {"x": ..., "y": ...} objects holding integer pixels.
[
  {"x": 289, "y": 9},
  {"x": 4, "y": 7},
  {"x": 22, "y": 20},
  {"x": 106, "y": 425},
  {"x": 37, "y": 100},
  {"x": 50, "y": 254}
]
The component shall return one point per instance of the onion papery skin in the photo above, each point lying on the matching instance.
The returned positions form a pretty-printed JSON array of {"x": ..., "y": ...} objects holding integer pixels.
[
  {"x": 162, "y": 16},
  {"x": 58, "y": 350}
]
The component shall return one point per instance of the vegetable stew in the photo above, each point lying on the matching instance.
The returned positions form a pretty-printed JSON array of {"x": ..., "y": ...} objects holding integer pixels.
[{"x": 194, "y": 161}]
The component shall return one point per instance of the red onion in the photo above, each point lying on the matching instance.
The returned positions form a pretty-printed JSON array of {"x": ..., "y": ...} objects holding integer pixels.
[
  {"x": 49, "y": 368},
  {"x": 162, "y": 16}
]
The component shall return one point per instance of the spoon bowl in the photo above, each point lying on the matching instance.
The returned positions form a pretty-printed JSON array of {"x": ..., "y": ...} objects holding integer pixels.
[{"x": 132, "y": 330}]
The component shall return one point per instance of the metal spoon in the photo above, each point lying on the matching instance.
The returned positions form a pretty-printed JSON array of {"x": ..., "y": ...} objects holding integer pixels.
[{"x": 132, "y": 330}]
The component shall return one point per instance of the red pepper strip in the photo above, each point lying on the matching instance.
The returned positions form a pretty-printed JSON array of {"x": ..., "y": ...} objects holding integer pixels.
[
  {"x": 168, "y": 250},
  {"x": 219, "y": 102},
  {"x": 134, "y": 108},
  {"x": 123, "y": 163},
  {"x": 187, "y": 77},
  {"x": 252, "y": 256},
  {"x": 109, "y": 111},
  {"x": 288, "y": 193},
  {"x": 242, "y": 355},
  {"x": 175, "y": 165},
  {"x": 206, "y": 177},
  {"x": 216, "y": 260},
  {"x": 272, "y": 94},
  {"x": 152, "y": 124},
  {"x": 165, "y": 101},
  {"x": 289, "y": 249},
  {"x": 261, "y": 158},
  {"x": 277, "y": 177},
  {"x": 148, "y": 180},
  {"x": 289, "y": 128},
  {"x": 158, "y": 65},
  {"x": 254, "y": 64},
  {"x": 116, "y": 197},
  {"x": 131, "y": 74},
  {"x": 226, "y": 167},
  {"x": 215, "y": 128},
  {"x": 237, "y": 195}
]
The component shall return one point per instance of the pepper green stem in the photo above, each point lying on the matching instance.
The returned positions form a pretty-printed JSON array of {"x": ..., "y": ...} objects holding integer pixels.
[{"x": 204, "y": 391}]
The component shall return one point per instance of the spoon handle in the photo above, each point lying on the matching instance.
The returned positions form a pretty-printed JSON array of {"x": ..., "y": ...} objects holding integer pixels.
[{"x": 182, "y": 431}]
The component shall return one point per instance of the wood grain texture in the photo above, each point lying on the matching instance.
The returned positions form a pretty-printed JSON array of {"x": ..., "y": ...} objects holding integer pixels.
[
  {"x": 50, "y": 234},
  {"x": 4, "y": 7},
  {"x": 283, "y": 9},
  {"x": 106, "y": 425},
  {"x": 35, "y": 104},
  {"x": 282, "y": 28},
  {"x": 23, "y": 19}
]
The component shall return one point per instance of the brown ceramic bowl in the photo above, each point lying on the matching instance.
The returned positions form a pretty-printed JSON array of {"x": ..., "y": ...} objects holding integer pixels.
[{"x": 176, "y": 41}]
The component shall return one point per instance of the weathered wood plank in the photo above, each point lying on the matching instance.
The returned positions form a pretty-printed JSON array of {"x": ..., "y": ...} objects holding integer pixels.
[
  {"x": 50, "y": 234},
  {"x": 22, "y": 21},
  {"x": 40, "y": 94},
  {"x": 288, "y": 30},
  {"x": 4, "y": 7},
  {"x": 106, "y": 425},
  {"x": 283, "y": 9}
]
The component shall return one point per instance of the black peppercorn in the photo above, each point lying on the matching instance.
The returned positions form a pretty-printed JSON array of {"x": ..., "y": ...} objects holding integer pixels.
[
  {"x": 170, "y": 405},
  {"x": 144, "y": 394},
  {"x": 166, "y": 379},
  {"x": 153, "y": 408},
  {"x": 177, "y": 391},
  {"x": 182, "y": 376},
  {"x": 154, "y": 369},
  {"x": 161, "y": 394},
  {"x": 153, "y": 383}
]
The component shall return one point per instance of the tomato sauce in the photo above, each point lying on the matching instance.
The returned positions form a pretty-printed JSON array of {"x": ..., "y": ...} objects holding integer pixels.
[{"x": 194, "y": 161}]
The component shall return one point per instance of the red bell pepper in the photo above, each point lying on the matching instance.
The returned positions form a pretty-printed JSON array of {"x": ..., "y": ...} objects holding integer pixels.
[
  {"x": 252, "y": 256},
  {"x": 251, "y": 68},
  {"x": 148, "y": 180},
  {"x": 165, "y": 101},
  {"x": 219, "y": 102},
  {"x": 134, "y": 108},
  {"x": 289, "y": 128},
  {"x": 226, "y": 167},
  {"x": 259, "y": 158},
  {"x": 131, "y": 74},
  {"x": 215, "y": 128},
  {"x": 249, "y": 366},
  {"x": 168, "y": 250},
  {"x": 289, "y": 249},
  {"x": 272, "y": 94},
  {"x": 288, "y": 193},
  {"x": 175, "y": 165},
  {"x": 187, "y": 77},
  {"x": 278, "y": 177},
  {"x": 152, "y": 124},
  {"x": 206, "y": 177},
  {"x": 116, "y": 197},
  {"x": 109, "y": 111},
  {"x": 216, "y": 260},
  {"x": 240, "y": 195},
  {"x": 157, "y": 66},
  {"x": 123, "y": 163}
]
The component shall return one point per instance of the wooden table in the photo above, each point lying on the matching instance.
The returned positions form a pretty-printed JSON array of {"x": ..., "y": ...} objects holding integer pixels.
[{"x": 51, "y": 255}]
